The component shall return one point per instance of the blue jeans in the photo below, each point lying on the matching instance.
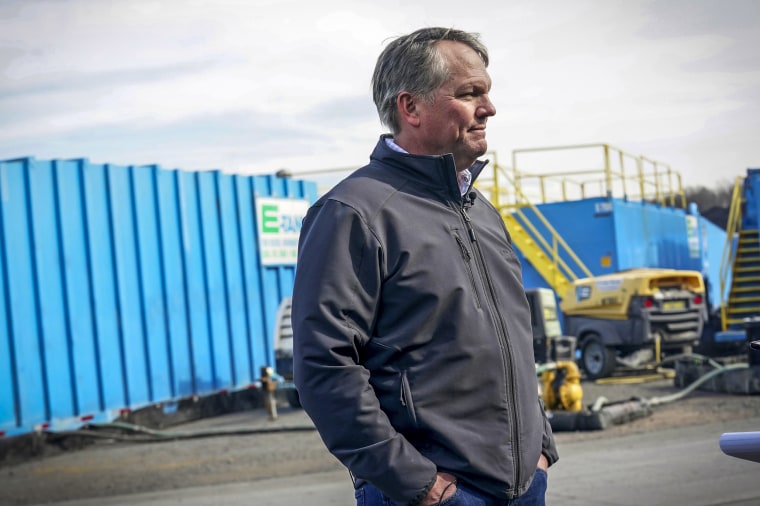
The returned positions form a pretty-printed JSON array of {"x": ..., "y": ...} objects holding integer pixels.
[{"x": 465, "y": 495}]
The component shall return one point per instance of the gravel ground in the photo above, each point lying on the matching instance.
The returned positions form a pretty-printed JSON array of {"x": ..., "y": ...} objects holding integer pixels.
[{"x": 112, "y": 467}]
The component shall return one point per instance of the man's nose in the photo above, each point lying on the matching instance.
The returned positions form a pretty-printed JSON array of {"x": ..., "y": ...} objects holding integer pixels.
[{"x": 486, "y": 108}]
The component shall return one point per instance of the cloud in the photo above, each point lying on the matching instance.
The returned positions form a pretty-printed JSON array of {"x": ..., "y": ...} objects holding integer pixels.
[{"x": 249, "y": 86}]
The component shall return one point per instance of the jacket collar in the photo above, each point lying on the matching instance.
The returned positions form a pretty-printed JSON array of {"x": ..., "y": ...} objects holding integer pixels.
[{"x": 438, "y": 170}]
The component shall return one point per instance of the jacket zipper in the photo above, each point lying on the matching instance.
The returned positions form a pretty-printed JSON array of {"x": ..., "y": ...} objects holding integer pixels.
[
  {"x": 467, "y": 260},
  {"x": 502, "y": 334}
]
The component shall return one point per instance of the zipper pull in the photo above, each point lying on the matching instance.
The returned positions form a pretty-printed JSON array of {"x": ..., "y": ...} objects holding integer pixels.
[{"x": 468, "y": 223}]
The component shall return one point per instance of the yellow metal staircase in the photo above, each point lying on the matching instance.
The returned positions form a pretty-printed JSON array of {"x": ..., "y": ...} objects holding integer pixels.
[
  {"x": 536, "y": 248},
  {"x": 744, "y": 297},
  {"x": 741, "y": 256}
]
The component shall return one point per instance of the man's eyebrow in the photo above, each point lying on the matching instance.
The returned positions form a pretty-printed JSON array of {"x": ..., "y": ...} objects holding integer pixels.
[{"x": 484, "y": 84}]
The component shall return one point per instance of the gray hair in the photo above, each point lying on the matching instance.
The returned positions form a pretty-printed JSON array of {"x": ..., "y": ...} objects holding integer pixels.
[{"x": 411, "y": 63}]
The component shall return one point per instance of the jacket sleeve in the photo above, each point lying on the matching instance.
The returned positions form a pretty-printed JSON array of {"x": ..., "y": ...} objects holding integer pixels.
[
  {"x": 335, "y": 302},
  {"x": 548, "y": 446}
]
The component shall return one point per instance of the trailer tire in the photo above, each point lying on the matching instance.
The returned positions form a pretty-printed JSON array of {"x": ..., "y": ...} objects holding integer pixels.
[{"x": 597, "y": 360}]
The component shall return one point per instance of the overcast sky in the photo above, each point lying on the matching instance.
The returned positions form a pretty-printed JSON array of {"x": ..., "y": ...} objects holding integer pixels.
[{"x": 255, "y": 86}]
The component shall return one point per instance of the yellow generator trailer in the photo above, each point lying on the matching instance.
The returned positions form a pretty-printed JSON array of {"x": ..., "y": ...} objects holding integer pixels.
[{"x": 630, "y": 316}]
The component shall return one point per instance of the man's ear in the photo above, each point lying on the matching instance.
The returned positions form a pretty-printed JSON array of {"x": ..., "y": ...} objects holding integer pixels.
[{"x": 406, "y": 103}]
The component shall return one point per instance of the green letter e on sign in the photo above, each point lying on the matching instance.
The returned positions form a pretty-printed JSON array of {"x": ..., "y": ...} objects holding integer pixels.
[
  {"x": 279, "y": 225},
  {"x": 269, "y": 219}
]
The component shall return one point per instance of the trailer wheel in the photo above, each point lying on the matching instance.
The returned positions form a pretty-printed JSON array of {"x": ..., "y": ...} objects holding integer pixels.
[{"x": 597, "y": 359}]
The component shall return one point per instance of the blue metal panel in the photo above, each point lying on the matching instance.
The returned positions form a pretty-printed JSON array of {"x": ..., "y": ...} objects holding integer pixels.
[
  {"x": 712, "y": 240},
  {"x": 131, "y": 318},
  {"x": 631, "y": 223},
  {"x": 234, "y": 280},
  {"x": 307, "y": 191},
  {"x": 215, "y": 282},
  {"x": 8, "y": 397},
  {"x": 179, "y": 345},
  {"x": 648, "y": 235},
  {"x": 21, "y": 289},
  {"x": 110, "y": 367},
  {"x": 751, "y": 215},
  {"x": 267, "y": 186},
  {"x": 79, "y": 299},
  {"x": 150, "y": 261},
  {"x": 257, "y": 336},
  {"x": 195, "y": 275},
  {"x": 9, "y": 416},
  {"x": 55, "y": 359}
]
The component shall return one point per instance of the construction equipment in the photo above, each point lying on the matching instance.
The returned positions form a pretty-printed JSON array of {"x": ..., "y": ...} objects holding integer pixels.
[
  {"x": 549, "y": 345},
  {"x": 560, "y": 378},
  {"x": 633, "y": 316},
  {"x": 561, "y": 387},
  {"x": 561, "y": 392}
]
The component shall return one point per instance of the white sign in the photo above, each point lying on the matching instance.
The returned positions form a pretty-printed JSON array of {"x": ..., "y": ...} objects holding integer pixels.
[
  {"x": 602, "y": 208},
  {"x": 609, "y": 285},
  {"x": 279, "y": 225},
  {"x": 692, "y": 236}
]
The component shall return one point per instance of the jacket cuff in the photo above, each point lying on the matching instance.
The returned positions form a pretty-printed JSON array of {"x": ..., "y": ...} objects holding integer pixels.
[
  {"x": 551, "y": 456},
  {"x": 419, "y": 497},
  {"x": 548, "y": 446}
]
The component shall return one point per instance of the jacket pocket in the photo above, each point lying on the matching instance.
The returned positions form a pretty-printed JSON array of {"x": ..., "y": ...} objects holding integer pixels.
[
  {"x": 406, "y": 399},
  {"x": 467, "y": 257}
]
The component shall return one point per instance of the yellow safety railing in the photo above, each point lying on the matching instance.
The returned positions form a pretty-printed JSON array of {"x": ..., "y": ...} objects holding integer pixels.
[
  {"x": 617, "y": 173},
  {"x": 729, "y": 248}
]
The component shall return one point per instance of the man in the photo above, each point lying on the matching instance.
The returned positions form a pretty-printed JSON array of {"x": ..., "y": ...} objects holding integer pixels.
[{"x": 412, "y": 339}]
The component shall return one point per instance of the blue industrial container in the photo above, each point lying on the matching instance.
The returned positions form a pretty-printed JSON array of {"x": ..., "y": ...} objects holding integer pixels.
[
  {"x": 121, "y": 287},
  {"x": 613, "y": 234}
]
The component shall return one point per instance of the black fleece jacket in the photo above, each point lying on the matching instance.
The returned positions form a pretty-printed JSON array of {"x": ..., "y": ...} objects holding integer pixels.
[{"x": 412, "y": 339}]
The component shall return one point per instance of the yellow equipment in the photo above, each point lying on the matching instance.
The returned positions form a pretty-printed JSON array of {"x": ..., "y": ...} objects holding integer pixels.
[
  {"x": 561, "y": 387},
  {"x": 617, "y": 316}
]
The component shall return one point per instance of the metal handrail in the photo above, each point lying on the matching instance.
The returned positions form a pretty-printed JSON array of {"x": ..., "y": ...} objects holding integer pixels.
[
  {"x": 655, "y": 180},
  {"x": 729, "y": 248}
]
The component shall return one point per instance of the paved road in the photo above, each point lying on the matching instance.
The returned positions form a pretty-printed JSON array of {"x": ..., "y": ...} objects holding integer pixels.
[{"x": 667, "y": 467}]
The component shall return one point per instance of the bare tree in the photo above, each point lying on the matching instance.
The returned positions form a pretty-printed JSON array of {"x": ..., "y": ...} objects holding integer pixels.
[{"x": 713, "y": 203}]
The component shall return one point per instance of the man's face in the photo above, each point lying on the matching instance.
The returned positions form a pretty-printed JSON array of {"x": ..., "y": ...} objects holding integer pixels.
[{"x": 455, "y": 122}]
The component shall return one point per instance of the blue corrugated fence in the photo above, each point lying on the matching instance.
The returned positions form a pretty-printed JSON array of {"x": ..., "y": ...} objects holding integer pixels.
[{"x": 122, "y": 287}]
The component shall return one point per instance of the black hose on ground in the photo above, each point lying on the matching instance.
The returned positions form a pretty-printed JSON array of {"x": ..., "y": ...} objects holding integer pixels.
[
  {"x": 128, "y": 432},
  {"x": 603, "y": 413}
]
